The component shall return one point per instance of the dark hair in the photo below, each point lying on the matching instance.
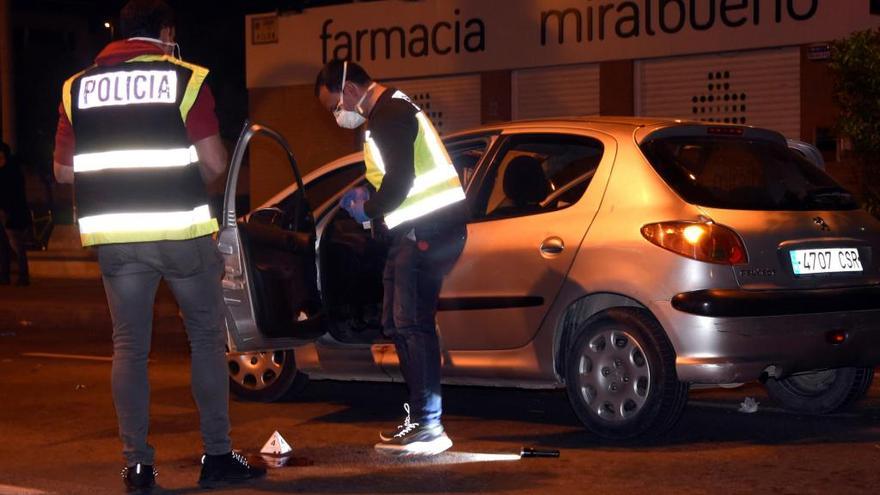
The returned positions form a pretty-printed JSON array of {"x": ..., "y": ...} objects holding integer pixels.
[
  {"x": 330, "y": 76},
  {"x": 145, "y": 18}
]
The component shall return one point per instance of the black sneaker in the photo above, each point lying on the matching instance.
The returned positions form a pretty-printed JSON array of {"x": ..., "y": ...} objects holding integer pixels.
[
  {"x": 415, "y": 440},
  {"x": 387, "y": 436},
  {"x": 139, "y": 477},
  {"x": 221, "y": 470}
]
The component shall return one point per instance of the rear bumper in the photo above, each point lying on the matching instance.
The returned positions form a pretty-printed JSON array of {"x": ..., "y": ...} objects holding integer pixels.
[
  {"x": 743, "y": 303},
  {"x": 732, "y": 349}
]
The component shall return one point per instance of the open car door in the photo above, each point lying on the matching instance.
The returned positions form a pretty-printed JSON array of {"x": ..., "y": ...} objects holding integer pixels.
[{"x": 270, "y": 283}]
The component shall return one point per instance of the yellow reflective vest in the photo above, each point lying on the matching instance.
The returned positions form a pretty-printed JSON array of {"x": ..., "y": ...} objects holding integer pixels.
[
  {"x": 436, "y": 183},
  {"x": 135, "y": 172}
]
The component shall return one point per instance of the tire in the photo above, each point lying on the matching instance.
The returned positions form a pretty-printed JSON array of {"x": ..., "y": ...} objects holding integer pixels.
[
  {"x": 821, "y": 392},
  {"x": 620, "y": 376},
  {"x": 264, "y": 376}
]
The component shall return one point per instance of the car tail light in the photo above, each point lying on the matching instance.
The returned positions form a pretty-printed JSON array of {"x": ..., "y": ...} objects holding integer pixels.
[
  {"x": 836, "y": 337},
  {"x": 707, "y": 242}
]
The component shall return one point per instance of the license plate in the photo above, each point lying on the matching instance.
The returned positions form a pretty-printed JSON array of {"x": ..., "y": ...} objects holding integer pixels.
[{"x": 828, "y": 260}]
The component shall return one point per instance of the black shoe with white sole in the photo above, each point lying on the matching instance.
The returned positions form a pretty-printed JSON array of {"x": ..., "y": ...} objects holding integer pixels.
[
  {"x": 387, "y": 436},
  {"x": 139, "y": 478},
  {"x": 222, "y": 470},
  {"x": 415, "y": 440}
]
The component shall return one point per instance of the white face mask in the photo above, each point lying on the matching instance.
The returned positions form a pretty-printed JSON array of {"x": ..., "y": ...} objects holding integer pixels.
[{"x": 349, "y": 119}]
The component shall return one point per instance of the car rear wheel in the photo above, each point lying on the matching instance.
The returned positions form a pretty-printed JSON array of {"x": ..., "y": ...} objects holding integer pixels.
[
  {"x": 620, "y": 376},
  {"x": 264, "y": 376},
  {"x": 821, "y": 392}
]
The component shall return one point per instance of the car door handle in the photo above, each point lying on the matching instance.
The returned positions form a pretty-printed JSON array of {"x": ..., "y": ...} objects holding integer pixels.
[{"x": 552, "y": 246}]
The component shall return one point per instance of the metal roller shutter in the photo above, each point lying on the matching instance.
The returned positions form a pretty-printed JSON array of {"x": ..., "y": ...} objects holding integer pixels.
[
  {"x": 760, "y": 88},
  {"x": 556, "y": 91},
  {"x": 452, "y": 103}
]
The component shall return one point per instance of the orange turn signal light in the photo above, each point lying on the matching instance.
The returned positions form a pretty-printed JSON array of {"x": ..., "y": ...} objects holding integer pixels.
[{"x": 836, "y": 337}]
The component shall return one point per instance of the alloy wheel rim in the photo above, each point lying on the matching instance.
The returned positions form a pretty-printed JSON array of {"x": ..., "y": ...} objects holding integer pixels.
[
  {"x": 256, "y": 370},
  {"x": 613, "y": 376}
]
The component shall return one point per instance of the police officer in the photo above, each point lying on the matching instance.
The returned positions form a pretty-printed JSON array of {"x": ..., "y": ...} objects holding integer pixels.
[
  {"x": 138, "y": 137},
  {"x": 15, "y": 218},
  {"x": 418, "y": 194}
]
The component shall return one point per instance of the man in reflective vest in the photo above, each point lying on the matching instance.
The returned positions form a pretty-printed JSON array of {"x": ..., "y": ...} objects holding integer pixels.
[
  {"x": 418, "y": 194},
  {"x": 138, "y": 137}
]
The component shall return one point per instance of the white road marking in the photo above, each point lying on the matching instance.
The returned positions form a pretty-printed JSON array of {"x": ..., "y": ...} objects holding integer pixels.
[
  {"x": 79, "y": 357},
  {"x": 18, "y": 490}
]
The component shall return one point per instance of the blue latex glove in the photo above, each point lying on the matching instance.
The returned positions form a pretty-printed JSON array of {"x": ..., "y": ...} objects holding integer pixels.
[
  {"x": 356, "y": 194},
  {"x": 356, "y": 210},
  {"x": 353, "y": 202}
]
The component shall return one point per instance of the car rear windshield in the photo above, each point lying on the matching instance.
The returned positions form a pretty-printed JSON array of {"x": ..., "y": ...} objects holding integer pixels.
[{"x": 744, "y": 174}]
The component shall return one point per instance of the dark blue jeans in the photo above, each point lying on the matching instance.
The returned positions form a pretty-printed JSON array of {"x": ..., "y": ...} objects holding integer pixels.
[
  {"x": 413, "y": 277},
  {"x": 12, "y": 242}
]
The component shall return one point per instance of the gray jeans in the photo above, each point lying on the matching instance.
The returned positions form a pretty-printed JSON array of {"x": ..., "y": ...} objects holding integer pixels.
[{"x": 192, "y": 269}]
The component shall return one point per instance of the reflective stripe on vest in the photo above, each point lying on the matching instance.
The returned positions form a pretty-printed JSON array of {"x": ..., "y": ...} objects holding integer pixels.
[
  {"x": 94, "y": 162},
  {"x": 142, "y": 227},
  {"x": 436, "y": 184},
  {"x": 416, "y": 207}
]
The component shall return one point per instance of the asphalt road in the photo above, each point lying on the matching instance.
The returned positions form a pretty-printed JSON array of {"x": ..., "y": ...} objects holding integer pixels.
[{"x": 58, "y": 430}]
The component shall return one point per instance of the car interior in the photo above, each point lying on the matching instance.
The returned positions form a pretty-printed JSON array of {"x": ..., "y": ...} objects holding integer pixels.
[
  {"x": 743, "y": 174},
  {"x": 524, "y": 186},
  {"x": 279, "y": 242},
  {"x": 538, "y": 174}
]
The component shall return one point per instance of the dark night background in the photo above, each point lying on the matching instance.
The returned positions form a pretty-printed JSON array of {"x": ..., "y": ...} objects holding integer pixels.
[{"x": 53, "y": 39}]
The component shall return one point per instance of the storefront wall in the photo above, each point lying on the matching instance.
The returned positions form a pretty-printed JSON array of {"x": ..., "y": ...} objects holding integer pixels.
[
  {"x": 468, "y": 62},
  {"x": 759, "y": 88}
]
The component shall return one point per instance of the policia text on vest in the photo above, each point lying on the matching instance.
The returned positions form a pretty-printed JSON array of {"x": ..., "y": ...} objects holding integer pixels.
[
  {"x": 128, "y": 88},
  {"x": 137, "y": 175}
]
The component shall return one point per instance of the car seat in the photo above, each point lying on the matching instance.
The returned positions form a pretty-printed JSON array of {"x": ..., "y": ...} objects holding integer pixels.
[{"x": 525, "y": 186}]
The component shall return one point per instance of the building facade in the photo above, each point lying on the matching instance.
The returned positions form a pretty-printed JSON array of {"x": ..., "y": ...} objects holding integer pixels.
[{"x": 471, "y": 62}]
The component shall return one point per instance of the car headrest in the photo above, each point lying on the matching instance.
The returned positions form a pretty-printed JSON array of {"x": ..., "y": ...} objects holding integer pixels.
[{"x": 524, "y": 181}]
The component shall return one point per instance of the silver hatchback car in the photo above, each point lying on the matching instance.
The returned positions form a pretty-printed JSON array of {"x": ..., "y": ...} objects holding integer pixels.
[{"x": 622, "y": 259}]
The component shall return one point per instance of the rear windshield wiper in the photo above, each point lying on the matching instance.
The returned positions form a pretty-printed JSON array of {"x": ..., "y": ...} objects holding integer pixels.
[{"x": 832, "y": 194}]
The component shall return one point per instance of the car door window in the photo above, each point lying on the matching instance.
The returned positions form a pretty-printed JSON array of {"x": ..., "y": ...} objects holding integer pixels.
[
  {"x": 537, "y": 173},
  {"x": 323, "y": 188},
  {"x": 320, "y": 190},
  {"x": 466, "y": 155}
]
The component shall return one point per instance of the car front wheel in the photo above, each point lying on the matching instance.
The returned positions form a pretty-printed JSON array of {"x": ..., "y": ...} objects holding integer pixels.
[
  {"x": 620, "y": 376},
  {"x": 264, "y": 376},
  {"x": 821, "y": 392}
]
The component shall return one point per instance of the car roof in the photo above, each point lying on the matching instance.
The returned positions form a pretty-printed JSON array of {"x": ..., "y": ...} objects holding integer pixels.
[{"x": 619, "y": 123}]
